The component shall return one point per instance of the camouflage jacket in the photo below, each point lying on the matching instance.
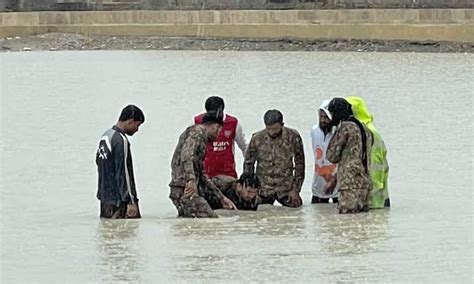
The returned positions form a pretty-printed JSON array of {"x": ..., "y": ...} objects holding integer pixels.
[
  {"x": 187, "y": 162},
  {"x": 280, "y": 161},
  {"x": 345, "y": 149}
]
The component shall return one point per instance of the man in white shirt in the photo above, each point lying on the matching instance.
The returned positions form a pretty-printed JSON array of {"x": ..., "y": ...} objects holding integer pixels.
[{"x": 324, "y": 181}]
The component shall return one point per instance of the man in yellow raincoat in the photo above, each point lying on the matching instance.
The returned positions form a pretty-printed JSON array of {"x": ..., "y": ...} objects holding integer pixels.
[{"x": 378, "y": 165}]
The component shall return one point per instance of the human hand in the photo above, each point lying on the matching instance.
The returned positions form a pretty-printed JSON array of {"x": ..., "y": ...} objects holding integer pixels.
[
  {"x": 190, "y": 190},
  {"x": 249, "y": 193},
  {"x": 132, "y": 210},
  {"x": 294, "y": 198},
  {"x": 228, "y": 204},
  {"x": 330, "y": 186}
]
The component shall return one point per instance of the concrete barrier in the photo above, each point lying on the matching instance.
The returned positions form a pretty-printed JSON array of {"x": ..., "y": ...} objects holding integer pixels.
[
  {"x": 89, "y": 5},
  {"x": 393, "y": 24}
]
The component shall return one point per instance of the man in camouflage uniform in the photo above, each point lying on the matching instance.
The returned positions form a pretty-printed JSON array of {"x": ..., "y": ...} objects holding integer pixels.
[
  {"x": 350, "y": 149},
  {"x": 243, "y": 191},
  {"x": 279, "y": 153},
  {"x": 191, "y": 191}
]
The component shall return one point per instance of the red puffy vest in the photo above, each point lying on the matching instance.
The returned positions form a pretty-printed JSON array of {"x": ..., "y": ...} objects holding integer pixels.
[{"x": 219, "y": 159}]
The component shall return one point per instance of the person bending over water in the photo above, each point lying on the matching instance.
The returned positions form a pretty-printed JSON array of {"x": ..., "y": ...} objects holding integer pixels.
[{"x": 190, "y": 188}]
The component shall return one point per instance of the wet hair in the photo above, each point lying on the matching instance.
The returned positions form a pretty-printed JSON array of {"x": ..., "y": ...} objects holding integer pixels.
[
  {"x": 214, "y": 103},
  {"x": 211, "y": 117},
  {"x": 249, "y": 179},
  {"x": 132, "y": 112},
  {"x": 341, "y": 110},
  {"x": 273, "y": 116}
]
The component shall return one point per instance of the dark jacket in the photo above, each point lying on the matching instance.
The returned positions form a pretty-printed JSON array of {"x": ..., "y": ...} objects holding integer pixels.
[{"x": 115, "y": 168}]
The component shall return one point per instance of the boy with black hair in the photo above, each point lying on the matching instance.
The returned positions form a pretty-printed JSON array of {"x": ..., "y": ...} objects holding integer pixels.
[
  {"x": 220, "y": 153},
  {"x": 116, "y": 191},
  {"x": 243, "y": 191}
]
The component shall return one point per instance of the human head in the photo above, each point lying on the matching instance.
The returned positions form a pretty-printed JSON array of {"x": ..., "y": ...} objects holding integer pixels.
[
  {"x": 324, "y": 117},
  {"x": 130, "y": 119},
  {"x": 359, "y": 109},
  {"x": 214, "y": 103},
  {"x": 273, "y": 120},
  {"x": 340, "y": 110},
  {"x": 248, "y": 185},
  {"x": 361, "y": 112},
  {"x": 213, "y": 121}
]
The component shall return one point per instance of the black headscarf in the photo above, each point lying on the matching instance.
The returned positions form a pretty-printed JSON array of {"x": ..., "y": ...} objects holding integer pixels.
[{"x": 341, "y": 110}]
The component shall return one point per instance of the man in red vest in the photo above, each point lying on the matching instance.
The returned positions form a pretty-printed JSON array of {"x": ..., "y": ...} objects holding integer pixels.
[{"x": 219, "y": 159}]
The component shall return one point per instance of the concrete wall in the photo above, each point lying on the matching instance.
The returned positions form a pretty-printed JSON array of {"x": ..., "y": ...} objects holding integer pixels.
[
  {"x": 49, "y": 5},
  {"x": 8, "y": 5},
  {"x": 303, "y": 4},
  {"x": 403, "y": 24},
  {"x": 32, "y": 5}
]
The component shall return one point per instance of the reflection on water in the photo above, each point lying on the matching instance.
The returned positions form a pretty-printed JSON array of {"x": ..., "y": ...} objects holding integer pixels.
[
  {"x": 118, "y": 250},
  {"x": 346, "y": 235},
  {"x": 267, "y": 221},
  {"x": 206, "y": 246},
  {"x": 284, "y": 235},
  {"x": 55, "y": 106}
]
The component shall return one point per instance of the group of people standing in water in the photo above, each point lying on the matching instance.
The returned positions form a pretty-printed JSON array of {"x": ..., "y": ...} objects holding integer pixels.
[{"x": 349, "y": 156}]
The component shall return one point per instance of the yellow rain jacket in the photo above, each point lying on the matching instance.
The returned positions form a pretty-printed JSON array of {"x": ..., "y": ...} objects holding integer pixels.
[{"x": 378, "y": 155}]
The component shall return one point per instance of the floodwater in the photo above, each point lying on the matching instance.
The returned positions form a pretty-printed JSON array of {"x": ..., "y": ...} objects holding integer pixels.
[{"x": 56, "y": 105}]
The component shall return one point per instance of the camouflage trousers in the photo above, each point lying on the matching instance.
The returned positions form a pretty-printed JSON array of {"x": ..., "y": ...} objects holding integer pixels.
[
  {"x": 197, "y": 206},
  {"x": 353, "y": 201}
]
